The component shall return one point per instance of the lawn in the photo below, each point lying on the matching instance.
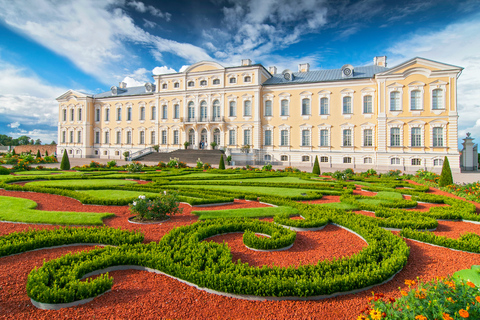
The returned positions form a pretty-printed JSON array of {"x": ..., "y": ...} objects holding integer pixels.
[
  {"x": 22, "y": 210},
  {"x": 260, "y": 190},
  {"x": 275, "y": 180},
  {"x": 338, "y": 205},
  {"x": 40, "y": 172},
  {"x": 81, "y": 183},
  {"x": 244, "y": 213}
]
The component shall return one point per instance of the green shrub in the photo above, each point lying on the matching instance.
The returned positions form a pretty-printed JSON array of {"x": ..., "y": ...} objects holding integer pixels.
[
  {"x": 267, "y": 167},
  {"x": 111, "y": 164},
  {"x": 4, "y": 170},
  {"x": 446, "y": 175},
  {"x": 126, "y": 154},
  {"x": 166, "y": 204},
  {"x": 65, "y": 164},
  {"x": 134, "y": 167},
  {"x": 199, "y": 164},
  {"x": 207, "y": 166},
  {"x": 46, "y": 153},
  {"x": 221, "y": 165},
  {"x": 316, "y": 167},
  {"x": 38, "y": 154}
]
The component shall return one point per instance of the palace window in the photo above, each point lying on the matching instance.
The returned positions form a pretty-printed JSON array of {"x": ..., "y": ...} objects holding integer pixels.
[
  {"x": 64, "y": 115},
  {"x": 79, "y": 137},
  {"x": 97, "y": 115},
  {"x": 216, "y": 81},
  {"x": 154, "y": 112},
  {"x": 437, "y": 99},
  {"x": 437, "y": 162},
  {"x": 107, "y": 137},
  {"x": 367, "y": 104},
  {"x": 395, "y": 101},
  {"x": 415, "y": 100},
  {"x": 416, "y": 137},
  {"x": 216, "y": 110},
  {"x": 203, "y": 82},
  {"x": 305, "y": 138},
  {"x": 395, "y": 161},
  {"x": 233, "y": 109},
  {"x": 80, "y": 114},
  {"x": 305, "y": 158},
  {"x": 191, "y": 83},
  {"x": 437, "y": 137},
  {"x": 164, "y": 136},
  {"x": 347, "y": 105},
  {"x": 324, "y": 138},
  {"x": 97, "y": 137},
  {"x": 324, "y": 106},
  {"x": 267, "y": 157},
  {"x": 233, "y": 80},
  {"x": 164, "y": 112},
  {"x": 191, "y": 110},
  {"x": 164, "y": 86},
  {"x": 268, "y": 137},
  {"x": 284, "y": 138},
  {"x": 306, "y": 107},
  {"x": 367, "y": 160},
  {"x": 175, "y": 137},
  {"x": 176, "y": 85},
  {"x": 247, "y": 79},
  {"x": 323, "y": 159},
  {"x": 247, "y": 108},
  {"x": 367, "y": 137},
  {"x": 347, "y": 160},
  {"x": 71, "y": 136},
  {"x": 268, "y": 108},
  {"x": 395, "y": 137},
  {"x": 142, "y": 113},
  {"x": 64, "y": 136},
  {"x": 284, "y": 108},
  {"x": 72, "y": 114},
  {"x": 129, "y": 137},
  {"x": 129, "y": 114},
  {"x": 176, "y": 111},
  {"x": 347, "y": 138},
  {"x": 246, "y": 137},
  {"x": 119, "y": 114},
  {"x": 119, "y": 137},
  {"x": 416, "y": 162},
  {"x": 284, "y": 158},
  {"x": 203, "y": 110},
  {"x": 231, "y": 137},
  {"x": 152, "y": 137},
  {"x": 107, "y": 114},
  {"x": 142, "y": 137}
]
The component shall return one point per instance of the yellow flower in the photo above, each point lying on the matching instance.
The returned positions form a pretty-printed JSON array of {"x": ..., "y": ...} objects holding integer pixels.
[
  {"x": 362, "y": 317},
  {"x": 375, "y": 314},
  {"x": 463, "y": 313}
]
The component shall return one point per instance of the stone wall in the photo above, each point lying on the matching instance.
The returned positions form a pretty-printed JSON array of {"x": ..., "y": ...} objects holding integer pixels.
[{"x": 52, "y": 149}]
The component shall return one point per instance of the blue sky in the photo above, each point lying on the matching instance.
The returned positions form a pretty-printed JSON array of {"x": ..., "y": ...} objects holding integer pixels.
[{"x": 48, "y": 46}]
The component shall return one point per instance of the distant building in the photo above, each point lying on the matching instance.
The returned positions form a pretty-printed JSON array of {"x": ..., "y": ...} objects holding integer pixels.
[{"x": 404, "y": 117}]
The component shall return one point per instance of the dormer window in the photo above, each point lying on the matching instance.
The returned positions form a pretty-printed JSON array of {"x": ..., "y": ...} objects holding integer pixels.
[
  {"x": 191, "y": 84},
  {"x": 164, "y": 86},
  {"x": 347, "y": 71},
  {"x": 203, "y": 82},
  {"x": 216, "y": 81},
  {"x": 148, "y": 87},
  {"x": 233, "y": 80},
  {"x": 247, "y": 79},
  {"x": 287, "y": 75},
  {"x": 114, "y": 90}
]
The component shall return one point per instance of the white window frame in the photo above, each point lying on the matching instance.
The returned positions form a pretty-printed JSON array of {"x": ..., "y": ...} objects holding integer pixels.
[
  {"x": 327, "y": 127},
  {"x": 421, "y": 126},
  {"x": 344, "y": 94},
  {"x": 440, "y": 85},
  {"x": 395, "y": 87},
  {"x": 324, "y": 94}
]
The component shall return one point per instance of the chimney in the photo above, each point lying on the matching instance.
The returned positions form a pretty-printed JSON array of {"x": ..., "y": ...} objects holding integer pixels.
[
  {"x": 246, "y": 62},
  {"x": 380, "y": 61},
  {"x": 303, "y": 67},
  {"x": 272, "y": 70},
  {"x": 122, "y": 85}
]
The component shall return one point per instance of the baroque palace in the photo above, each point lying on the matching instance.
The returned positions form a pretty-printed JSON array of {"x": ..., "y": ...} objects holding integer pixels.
[{"x": 404, "y": 117}]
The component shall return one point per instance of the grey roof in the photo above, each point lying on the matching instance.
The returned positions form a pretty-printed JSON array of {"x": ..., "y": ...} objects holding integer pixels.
[
  {"x": 129, "y": 91},
  {"x": 326, "y": 75}
]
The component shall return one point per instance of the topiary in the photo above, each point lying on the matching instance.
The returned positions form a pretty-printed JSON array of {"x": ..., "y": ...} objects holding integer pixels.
[
  {"x": 65, "y": 164},
  {"x": 316, "y": 167},
  {"x": 46, "y": 153},
  {"x": 446, "y": 175},
  {"x": 222, "y": 163},
  {"x": 13, "y": 152},
  {"x": 39, "y": 155},
  {"x": 4, "y": 170}
]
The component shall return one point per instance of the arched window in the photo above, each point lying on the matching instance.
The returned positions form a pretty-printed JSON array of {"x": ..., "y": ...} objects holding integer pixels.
[
  {"x": 80, "y": 114},
  {"x": 164, "y": 86},
  {"x": 233, "y": 80},
  {"x": 305, "y": 158},
  {"x": 324, "y": 106},
  {"x": 203, "y": 82},
  {"x": 267, "y": 157},
  {"x": 107, "y": 114},
  {"x": 119, "y": 114},
  {"x": 65, "y": 115},
  {"x": 176, "y": 111},
  {"x": 268, "y": 108},
  {"x": 437, "y": 99},
  {"x": 367, "y": 137},
  {"x": 203, "y": 111},
  {"x": 395, "y": 161},
  {"x": 233, "y": 109},
  {"x": 176, "y": 85},
  {"x": 283, "y": 158},
  {"x": 216, "y": 110},
  {"x": 191, "y": 137},
  {"x": 347, "y": 160},
  {"x": 129, "y": 114},
  {"x": 268, "y": 138},
  {"x": 284, "y": 108},
  {"x": 142, "y": 113},
  {"x": 395, "y": 101},
  {"x": 216, "y": 136},
  {"x": 347, "y": 105},
  {"x": 415, "y": 100},
  {"x": 367, "y": 104},
  {"x": 438, "y": 162},
  {"x": 152, "y": 137},
  {"x": 305, "y": 138},
  {"x": 191, "y": 111},
  {"x": 347, "y": 137},
  {"x": 306, "y": 107},
  {"x": 416, "y": 162},
  {"x": 154, "y": 113},
  {"x": 247, "y": 108},
  {"x": 367, "y": 160},
  {"x": 216, "y": 81},
  {"x": 191, "y": 83},
  {"x": 72, "y": 114},
  {"x": 247, "y": 79}
]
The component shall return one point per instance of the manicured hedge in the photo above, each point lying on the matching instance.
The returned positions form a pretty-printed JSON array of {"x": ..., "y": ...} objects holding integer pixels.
[{"x": 467, "y": 242}]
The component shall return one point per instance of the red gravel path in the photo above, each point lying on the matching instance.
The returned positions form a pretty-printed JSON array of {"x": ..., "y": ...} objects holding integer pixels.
[{"x": 137, "y": 294}]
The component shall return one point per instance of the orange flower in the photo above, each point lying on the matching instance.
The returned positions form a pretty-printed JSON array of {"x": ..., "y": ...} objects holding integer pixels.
[
  {"x": 477, "y": 298},
  {"x": 403, "y": 293},
  {"x": 446, "y": 316},
  {"x": 463, "y": 313},
  {"x": 420, "y": 317},
  {"x": 409, "y": 282},
  {"x": 451, "y": 300},
  {"x": 470, "y": 284}
]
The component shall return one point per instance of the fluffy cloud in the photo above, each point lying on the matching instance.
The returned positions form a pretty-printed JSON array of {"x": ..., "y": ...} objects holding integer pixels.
[
  {"x": 14, "y": 125},
  {"x": 455, "y": 44},
  {"x": 94, "y": 35},
  {"x": 141, "y": 7},
  {"x": 163, "y": 70}
]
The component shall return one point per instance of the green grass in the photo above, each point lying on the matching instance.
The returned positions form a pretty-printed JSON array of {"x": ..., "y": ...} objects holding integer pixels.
[
  {"x": 260, "y": 190},
  {"x": 206, "y": 174},
  {"x": 275, "y": 180},
  {"x": 39, "y": 172},
  {"x": 80, "y": 183},
  {"x": 116, "y": 194},
  {"x": 22, "y": 210},
  {"x": 389, "y": 195},
  {"x": 244, "y": 213}
]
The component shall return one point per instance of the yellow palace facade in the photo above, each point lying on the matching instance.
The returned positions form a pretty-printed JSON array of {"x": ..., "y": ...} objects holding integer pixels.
[{"x": 404, "y": 117}]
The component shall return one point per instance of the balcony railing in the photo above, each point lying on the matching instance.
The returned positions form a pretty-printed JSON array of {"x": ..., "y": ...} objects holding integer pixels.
[{"x": 201, "y": 119}]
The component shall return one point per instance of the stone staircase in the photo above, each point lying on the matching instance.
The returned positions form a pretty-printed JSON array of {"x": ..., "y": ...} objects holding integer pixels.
[{"x": 188, "y": 156}]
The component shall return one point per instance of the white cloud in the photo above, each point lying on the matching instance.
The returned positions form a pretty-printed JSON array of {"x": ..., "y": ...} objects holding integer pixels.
[
  {"x": 163, "y": 70},
  {"x": 149, "y": 24},
  {"x": 131, "y": 82},
  {"x": 183, "y": 68},
  {"x": 456, "y": 44},
  {"x": 94, "y": 35},
  {"x": 14, "y": 125},
  {"x": 141, "y": 7},
  {"x": 46, "y": 136}
]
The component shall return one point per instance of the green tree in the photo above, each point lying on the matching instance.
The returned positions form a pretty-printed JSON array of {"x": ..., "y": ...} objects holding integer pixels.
[
  {"x": 46, "y": 153},
  {"x": 222, "y": 163},
  {"x": 53, "y": 143},
  {"x": 23, "y": 140},
  {"x": 38, "y": 142},
  {"x": 446, "y": 175},
  {"x": 39, "y": 155},
  {"x": 65, "y": 164},
  {"x": 316, "y": 167}
]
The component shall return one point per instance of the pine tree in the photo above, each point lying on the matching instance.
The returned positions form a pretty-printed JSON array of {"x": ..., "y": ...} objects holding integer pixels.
[
  {"x": 446, "y": 175},
  {"x": 65, "y": 164},
  {"x": 13, "y": 151},
  {"x": 46, "y": 153},
  {"x": 38, "y": 154},
  {"x": 222, "y": 163},
  {"x": 316, "y": 167}
]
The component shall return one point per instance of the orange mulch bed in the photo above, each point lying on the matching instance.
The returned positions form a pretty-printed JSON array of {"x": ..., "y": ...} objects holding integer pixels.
[{"x": 138, "y": 294}]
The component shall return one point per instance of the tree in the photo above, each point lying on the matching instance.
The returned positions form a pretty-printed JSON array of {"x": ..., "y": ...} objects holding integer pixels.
[
  {"x": 46, "y": 153},
  {"x": 53, "y": 143},
  {"x": 316, "y": 167},
  {"x": 222, "y": 163},
  {"x": 39, "y": 155},
  {"x": 446, "y": 175},
  {"x": 38, "y": 142},
  {"x": 65, "y": 164},
  {"x": 13, "y": 151},
  {"x": 23, "y": 140}
]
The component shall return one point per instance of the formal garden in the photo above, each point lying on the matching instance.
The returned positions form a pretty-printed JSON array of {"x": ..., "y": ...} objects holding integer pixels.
[{"x": 173, "y": 242}]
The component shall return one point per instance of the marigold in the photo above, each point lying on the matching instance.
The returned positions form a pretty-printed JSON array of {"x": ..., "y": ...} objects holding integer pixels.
[
  {"x": 375, "y": 314},
  {"x": 403, "y": 293},
  {"x": 463, "y": 313},
  {"x": 477, "y": 298},
  {"x": 409, "y": 282},
  {"x": 446, "y": 316},
  {"x": 470, "y": 284},
  {"x": 420, "y": 317},
  {"x": 451, "y": 300}
]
